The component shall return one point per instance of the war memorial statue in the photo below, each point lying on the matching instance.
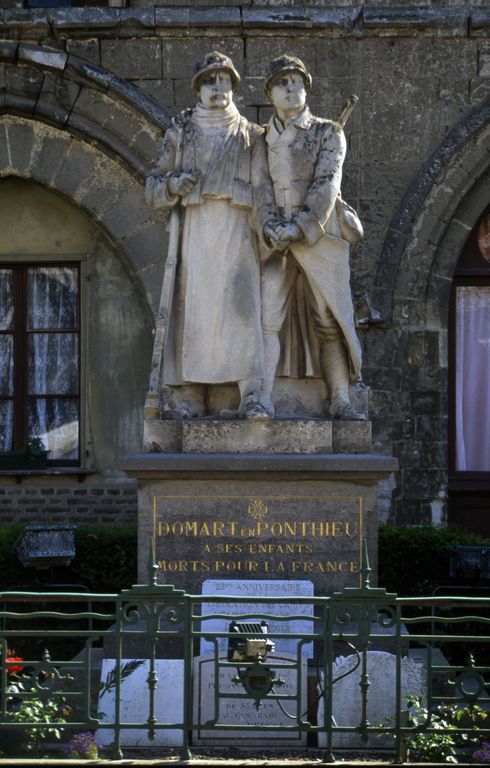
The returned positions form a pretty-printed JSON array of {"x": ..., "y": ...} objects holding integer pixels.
[
  {"x": 259, "y": 259},
  {"x": 213, "y": 164},
  {"x": 307, "y": 312},
  {"x": 261, "y": 298}
]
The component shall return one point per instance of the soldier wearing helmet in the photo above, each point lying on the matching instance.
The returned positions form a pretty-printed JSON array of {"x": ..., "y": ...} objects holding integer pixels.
[
  {"x": 307, "y": 312},
  {"x": 213, "y": 165}
]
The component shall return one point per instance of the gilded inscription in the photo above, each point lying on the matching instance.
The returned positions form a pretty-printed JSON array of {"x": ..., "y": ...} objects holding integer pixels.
[
  {"x": 257, "y": 537},
  {"x": 219, "y": 528}
]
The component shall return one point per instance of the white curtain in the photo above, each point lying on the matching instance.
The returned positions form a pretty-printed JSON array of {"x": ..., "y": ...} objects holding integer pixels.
[
  {"x": 53, "y": 359},
  {"x": 473, "y": 378},
  {"x": 6, "y": 359}
]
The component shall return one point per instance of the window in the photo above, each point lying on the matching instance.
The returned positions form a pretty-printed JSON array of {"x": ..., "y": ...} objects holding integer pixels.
[
  {"x": 469, "y": 457},
  {"x": 471, "y": 339},
  {"x": 40, "y": 358}
]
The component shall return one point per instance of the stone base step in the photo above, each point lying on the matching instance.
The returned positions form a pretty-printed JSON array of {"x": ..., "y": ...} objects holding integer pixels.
[{"x": 287, "y": 436}]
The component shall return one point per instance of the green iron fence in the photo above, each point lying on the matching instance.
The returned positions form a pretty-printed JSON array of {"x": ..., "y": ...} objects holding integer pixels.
[{"x": 86, "y": 656}]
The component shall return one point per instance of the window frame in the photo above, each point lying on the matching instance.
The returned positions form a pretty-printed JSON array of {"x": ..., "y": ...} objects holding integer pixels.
[
  {"x": 22, "y": 262},
  {"x": 466, "y": 273}
]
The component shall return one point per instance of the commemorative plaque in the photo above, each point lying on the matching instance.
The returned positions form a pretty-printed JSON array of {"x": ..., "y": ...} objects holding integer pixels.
[{"x": 234, "y": 533}]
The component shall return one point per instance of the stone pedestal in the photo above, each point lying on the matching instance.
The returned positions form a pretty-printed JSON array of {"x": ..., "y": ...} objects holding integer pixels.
[
  {"x": 241, "y": 500},
  {"x": 296, "y": 436}
]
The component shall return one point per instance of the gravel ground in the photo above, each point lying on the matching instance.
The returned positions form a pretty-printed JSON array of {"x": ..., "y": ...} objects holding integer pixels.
[{"x": 270, "y": 755}]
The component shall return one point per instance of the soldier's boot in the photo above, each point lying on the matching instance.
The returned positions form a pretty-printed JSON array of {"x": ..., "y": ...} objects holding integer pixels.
[
  {"x": 335, "y": 371},
  {"x": 182, "y": 402},
  {"x": 250, "y": 406}
]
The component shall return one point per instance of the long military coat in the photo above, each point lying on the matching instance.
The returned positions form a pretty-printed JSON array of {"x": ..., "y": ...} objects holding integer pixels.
[
  {"x": 215, "y": 333},
  {"x": 305, "y": 163}
]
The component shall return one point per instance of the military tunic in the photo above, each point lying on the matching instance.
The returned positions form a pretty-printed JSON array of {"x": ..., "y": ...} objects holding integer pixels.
[{"x": 307, "y": 289}]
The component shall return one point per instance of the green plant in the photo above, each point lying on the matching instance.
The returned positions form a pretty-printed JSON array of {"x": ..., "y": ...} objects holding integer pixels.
[
  {"x": 105, "y": 561},
  {"x": 29, "y": 701},
  {"x": 46, "y": 712},
  {"x": 35, "y": 447},
  {"x": 424, "y": 549},
  {"x": 106, "y": 557},
  {"x": 452, "y": 728}
]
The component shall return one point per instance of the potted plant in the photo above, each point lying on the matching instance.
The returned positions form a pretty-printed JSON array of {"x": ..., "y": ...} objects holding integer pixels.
[{"x": 33, "y": 456}]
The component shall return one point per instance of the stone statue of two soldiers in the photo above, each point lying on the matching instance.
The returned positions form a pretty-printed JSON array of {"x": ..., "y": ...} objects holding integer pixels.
[{"x": 262, "y": 286}]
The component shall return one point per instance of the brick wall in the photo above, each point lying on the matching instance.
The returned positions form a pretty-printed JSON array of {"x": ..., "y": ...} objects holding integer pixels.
[{"x": 111, "y": 503}]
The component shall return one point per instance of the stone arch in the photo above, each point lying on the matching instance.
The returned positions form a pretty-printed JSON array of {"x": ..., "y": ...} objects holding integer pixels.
[
  {"x": 97, "y": 183},
  {"x": 91, "y": 136},
  {"x": 428, "y": 230},
  {"x": 451, "y": 244},
  {"x": 412, "y": 290},
  {"x": 86, "y": 101}
]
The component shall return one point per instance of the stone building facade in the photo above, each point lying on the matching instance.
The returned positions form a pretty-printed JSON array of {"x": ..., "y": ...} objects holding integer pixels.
[{"x": 85, "y": 93}]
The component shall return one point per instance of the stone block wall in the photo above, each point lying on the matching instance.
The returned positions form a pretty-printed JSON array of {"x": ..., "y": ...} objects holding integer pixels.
[{"x": 416, "y": 155}]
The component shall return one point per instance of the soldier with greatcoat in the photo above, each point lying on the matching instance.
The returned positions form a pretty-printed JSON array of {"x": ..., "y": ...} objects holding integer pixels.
[
  {"x": 307, "y": 312},
  {"x": 213, "y": 164}
]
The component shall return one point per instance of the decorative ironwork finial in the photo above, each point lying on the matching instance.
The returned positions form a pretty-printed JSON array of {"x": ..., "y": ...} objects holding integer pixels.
[
  {"x": 152, "y": 564},
  {"x": 366, "y": 567}
]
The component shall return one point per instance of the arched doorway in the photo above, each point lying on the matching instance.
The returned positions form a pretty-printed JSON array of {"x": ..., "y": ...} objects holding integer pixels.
[
  {"x": 412, "y": 289},
  {"x": 469, "y": 383}
]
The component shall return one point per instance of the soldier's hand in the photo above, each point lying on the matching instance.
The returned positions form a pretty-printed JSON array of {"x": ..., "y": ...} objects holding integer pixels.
[
  {"x": 288, "y": 232},
  {"x": 181, "y": 183},
  {"x": 272, "y": 238}
]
